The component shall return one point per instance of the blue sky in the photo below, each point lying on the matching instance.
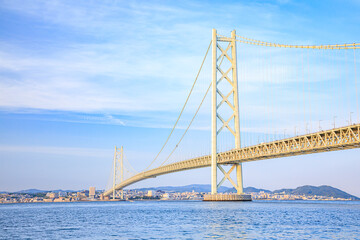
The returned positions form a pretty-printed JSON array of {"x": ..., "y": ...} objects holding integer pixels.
[{"x": 79, "y": 77}]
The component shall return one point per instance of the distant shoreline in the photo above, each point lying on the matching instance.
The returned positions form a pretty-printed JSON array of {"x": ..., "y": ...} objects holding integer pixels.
[{"x": 182, "y": 200}]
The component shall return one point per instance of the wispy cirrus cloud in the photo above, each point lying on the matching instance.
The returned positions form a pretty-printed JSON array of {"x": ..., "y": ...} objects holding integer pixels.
[
  {"x": 123, "y": 57},
  {"x": 84, "y": 152}
]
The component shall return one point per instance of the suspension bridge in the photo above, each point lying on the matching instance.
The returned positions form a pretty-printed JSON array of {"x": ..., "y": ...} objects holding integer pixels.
[{"x": 335, "y": 78}]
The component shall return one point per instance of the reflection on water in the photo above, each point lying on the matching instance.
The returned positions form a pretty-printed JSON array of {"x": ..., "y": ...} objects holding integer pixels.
[{"x": 181, "y": 220}]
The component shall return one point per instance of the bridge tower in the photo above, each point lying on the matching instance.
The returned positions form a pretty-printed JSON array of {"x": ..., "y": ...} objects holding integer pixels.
[
  {"x": 118, "y": 164},
  {"x": 229, "y": 75}
]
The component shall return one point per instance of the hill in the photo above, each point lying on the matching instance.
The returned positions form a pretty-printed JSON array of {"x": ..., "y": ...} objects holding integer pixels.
[
  {"x": 199, "y": 188},
  {"x": 250, "y": 190},
  {"x": 187, "y": 188},
  {"x": 31, "y": 191},
  {"x": 34, "y": 191},
  {"x": 327, "y": 191},
  {"x": 324, "y": 190}
]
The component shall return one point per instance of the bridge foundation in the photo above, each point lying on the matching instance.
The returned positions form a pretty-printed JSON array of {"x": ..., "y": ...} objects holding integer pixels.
[{"x": 227, "y": 197}]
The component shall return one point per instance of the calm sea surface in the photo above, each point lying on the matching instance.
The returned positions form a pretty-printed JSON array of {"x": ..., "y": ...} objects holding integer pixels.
[{"x": 181, "y": 220}]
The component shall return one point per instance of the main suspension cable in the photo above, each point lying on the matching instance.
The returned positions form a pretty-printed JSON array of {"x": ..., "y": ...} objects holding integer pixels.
[
  {"x": 202, "y": 101},
  {"x": 130, "y": 164},
  {"x": 270, "y": 44},
  {"x": 300, "y": 46},
  {"x": 182, "y": 110}
]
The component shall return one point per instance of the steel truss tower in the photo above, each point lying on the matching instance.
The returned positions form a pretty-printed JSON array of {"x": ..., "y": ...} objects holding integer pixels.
[
  {"x": 226, "y": 54},
  {"x": 118, "y": 163}
]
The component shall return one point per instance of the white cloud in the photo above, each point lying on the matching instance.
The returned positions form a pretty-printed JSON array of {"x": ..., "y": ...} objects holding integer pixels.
[
  {"x": 83, "y": 152},
  {"x": 136, "y": 58}
]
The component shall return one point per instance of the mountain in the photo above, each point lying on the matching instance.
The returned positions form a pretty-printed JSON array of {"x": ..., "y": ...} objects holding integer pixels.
[
  {"x": 31, "y": 191},
  {"x": 34, "y": 191},
  {"x": 324, "y": 190},
  {"x": 60, "y": 190},
  {"x": 250, "y": 190},
  {"x": 187, "y": 188},
  {"x": 307, "y": 190},
  {"x": 256, "y": 190},
  {"x": 327, "y": 191}
]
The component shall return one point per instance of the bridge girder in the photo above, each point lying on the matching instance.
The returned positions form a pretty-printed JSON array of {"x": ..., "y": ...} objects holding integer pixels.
[{"x": 324, "y": 141}]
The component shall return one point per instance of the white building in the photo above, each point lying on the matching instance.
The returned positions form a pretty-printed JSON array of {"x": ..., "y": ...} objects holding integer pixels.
[{"x": 92, "y": 192}]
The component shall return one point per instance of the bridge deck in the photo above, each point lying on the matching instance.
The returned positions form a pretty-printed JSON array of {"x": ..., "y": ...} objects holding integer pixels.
[{"x": 323, "y": 141}]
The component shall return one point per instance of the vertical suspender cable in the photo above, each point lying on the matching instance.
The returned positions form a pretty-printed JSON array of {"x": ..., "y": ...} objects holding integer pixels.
[
  {"x": 342, "y": 86},
  {"x": 245, "y": 85},
  {"x": 263, "y": 87},
  {"x": 356, "y": 89},
  {"x": 297, "y": 73},
  {"x": 309, "y": 82},
  {"x": 266, "y": 133},
  {"x": 273, "y": 95},
  {"x": 338, "y": 81},
  {"x": 347, "y": 79},
  {"x": 327, "y": 63},
  {"x": 303, "y": 80}
]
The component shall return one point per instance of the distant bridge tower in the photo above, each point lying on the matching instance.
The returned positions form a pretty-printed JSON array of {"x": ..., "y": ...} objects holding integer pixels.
[
  {"x": 118, "y": 163},
  {"x": 227, "y": 73}
]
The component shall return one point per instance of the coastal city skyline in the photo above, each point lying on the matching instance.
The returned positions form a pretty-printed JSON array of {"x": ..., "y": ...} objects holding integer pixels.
[
  {"x": 194, "y": 192},
  {"x": 70, "y": 93}
]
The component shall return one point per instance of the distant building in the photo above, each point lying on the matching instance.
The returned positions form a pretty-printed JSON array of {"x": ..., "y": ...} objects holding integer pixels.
[
  {"x": 80, "y": 195},
  {"x": 150, "y": 193},
  {"x": 60, "y": 199},
  {"x": 92, "y": 192},
  {"x": 62, "y": 194},
  {"x": 51, "y": 195},
  {"x": 165, "y": 196}
]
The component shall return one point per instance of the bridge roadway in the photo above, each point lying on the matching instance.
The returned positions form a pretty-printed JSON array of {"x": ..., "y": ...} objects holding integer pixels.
[{"x": 330, "y": 140}]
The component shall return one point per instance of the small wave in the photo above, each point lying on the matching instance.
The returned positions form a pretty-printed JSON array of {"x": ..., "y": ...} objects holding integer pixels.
[{"x": 68, "y": 229}]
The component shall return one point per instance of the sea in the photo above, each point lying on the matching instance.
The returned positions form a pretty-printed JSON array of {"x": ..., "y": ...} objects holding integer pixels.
[{"x": 181, "y": 220}]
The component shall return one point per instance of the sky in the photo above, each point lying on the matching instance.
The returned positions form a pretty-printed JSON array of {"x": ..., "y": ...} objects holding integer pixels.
[{"x": 78, "y": 78}]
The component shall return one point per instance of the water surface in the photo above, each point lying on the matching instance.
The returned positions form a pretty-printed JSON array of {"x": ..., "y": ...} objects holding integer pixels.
[{"x": 181, "y": 220}]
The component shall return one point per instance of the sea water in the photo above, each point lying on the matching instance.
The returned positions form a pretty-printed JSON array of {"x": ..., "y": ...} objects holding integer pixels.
[{"x": 181, "y": 220}]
